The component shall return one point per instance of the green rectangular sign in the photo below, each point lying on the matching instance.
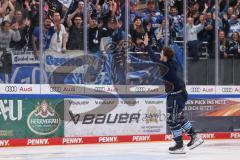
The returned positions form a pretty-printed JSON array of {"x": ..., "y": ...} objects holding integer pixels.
[{"x": 31, "y": 118}]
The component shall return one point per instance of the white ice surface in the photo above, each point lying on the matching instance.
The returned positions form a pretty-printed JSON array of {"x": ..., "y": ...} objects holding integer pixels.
[{"x": 210, "y": 150}]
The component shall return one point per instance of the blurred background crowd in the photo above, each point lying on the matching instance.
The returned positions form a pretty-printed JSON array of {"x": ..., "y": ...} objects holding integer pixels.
[
  {"x": 88, "y": 26},
  {"x": 63, "y": 24},
  {"x": 67, "y": 22}
]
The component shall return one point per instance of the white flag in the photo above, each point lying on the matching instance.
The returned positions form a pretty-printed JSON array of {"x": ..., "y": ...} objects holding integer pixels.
[{"x": 66, "y": 3}]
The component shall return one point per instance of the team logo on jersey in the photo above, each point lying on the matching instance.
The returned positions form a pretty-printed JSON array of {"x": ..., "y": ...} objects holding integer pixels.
[{"x": 43, "y": 120}]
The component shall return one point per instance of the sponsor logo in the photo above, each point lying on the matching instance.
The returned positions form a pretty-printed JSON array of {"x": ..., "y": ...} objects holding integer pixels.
[
  {"x": 43, "y": 120},
  {"x": 11, "y": 89},
  {"x": 99, "y": 89},
  {"x": 72, "y": 141},
  {"x": 153, "y": 115},
  {"x": 106, "y": 118},
  {"x": 168, "y": 137},
  {"x": 9, "y": 111},
  {"x": 141, "y": 138},
  {"x": 107, "y": 139},
  {"x": 227, "y": 90},
  {"x": 77, "y": 102},
  {"x": 208, "y": 136},
  {"x": 25, "y": 89},
  {"x": 235, "y": 135},
  {"x": 154, "y": 102},
  {"x": 195, "y": 89},
  {"x": 237, "y": 90},
  {"x": 32, "y": 142},
  {"x": 140, "y": 89},
  {"x": 4, "y": 143},
  {"x": 55, "y": 89},
  {"x": 6, "y": 133},
  {"x": 67, "y": 89}
]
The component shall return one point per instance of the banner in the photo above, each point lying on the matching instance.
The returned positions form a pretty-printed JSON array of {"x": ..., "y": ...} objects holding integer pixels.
[
  {"x": 23, "y": 57},
  {"x": 36, "y": 118},
  {"x": 23, "y": 75},
  {"x": 72, "y": 62},
  {"x": 218, "y": 115},
  {"x": 110, "y": 117},
  {"x": 66, "y": 3}
]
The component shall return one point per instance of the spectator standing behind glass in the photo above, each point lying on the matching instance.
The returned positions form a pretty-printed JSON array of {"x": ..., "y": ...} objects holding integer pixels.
[
  {"x": 26, "y": 35},
  {"x": 137, "y": 33},
  {"x": 207, "y": 34},
  {"x": 150, "y": 32},
  {"x": 225, "y": 25},
  {"x": 234, "y": 46},
  {"x": 234, "y": 24},
  {"x": 223, "y": 45},
  {"x": 80, "y": 8},
  {"x": 192, "y": 39},
  {"x": 75, "y": 39},
  {"x": 8, "y": 34},
  {"x": 133, "y": 10},
  {"x": 160, "y": 34},
  {"x": 151, "y": 13},
  {"x": 48, "y": 32},
  {"x": 97, "y": 11},
  {"x": 93, "y": 34},
  {"x": 4, "y": 16},
  {"x": 176, "y": 22},
  {"x": 32, "y": 11},
  {"x": 59, "y": 38}
]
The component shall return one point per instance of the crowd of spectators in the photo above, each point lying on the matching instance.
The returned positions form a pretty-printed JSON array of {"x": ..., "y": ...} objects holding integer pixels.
[{"x": 63, "y": 27}]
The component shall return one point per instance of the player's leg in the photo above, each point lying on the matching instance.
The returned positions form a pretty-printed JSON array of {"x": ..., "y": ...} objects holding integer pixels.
[
  {"x": 195, "y": 139},
  {"x": 175, "y": 126}
]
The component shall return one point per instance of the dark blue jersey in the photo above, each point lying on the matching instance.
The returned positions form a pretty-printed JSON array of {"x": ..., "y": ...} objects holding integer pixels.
[{"x": 172, "y": 80}]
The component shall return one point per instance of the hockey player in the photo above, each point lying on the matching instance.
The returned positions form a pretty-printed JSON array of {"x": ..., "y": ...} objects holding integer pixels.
[{"x": 176, "y": 98}]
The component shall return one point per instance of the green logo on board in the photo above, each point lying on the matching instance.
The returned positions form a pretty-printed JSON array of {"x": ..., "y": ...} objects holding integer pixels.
[{"x": 43, "y": 120}]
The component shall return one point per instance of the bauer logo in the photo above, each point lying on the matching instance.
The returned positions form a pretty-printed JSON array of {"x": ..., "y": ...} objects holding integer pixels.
[{"x": 43, "y": 120}]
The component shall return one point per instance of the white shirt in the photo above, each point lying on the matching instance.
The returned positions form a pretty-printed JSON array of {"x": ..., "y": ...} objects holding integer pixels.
[
  {"x": 192, "y": 31},
  {"x": 57, "y": 39}
]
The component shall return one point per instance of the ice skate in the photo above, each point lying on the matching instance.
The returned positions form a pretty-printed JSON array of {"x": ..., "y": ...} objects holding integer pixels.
[
  {"x": 195, "y": 141},
  {"x": 178, "y": 148}
]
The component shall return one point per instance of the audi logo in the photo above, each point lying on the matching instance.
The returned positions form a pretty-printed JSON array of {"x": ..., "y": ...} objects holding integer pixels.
[
  {"x": 227, "y": 90},
  {"x": 140, "y": 89},
  {"x": 195, "y": 89},
  {"x": 11, "y": 88},
  {"x": 99, "y": 89}
]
